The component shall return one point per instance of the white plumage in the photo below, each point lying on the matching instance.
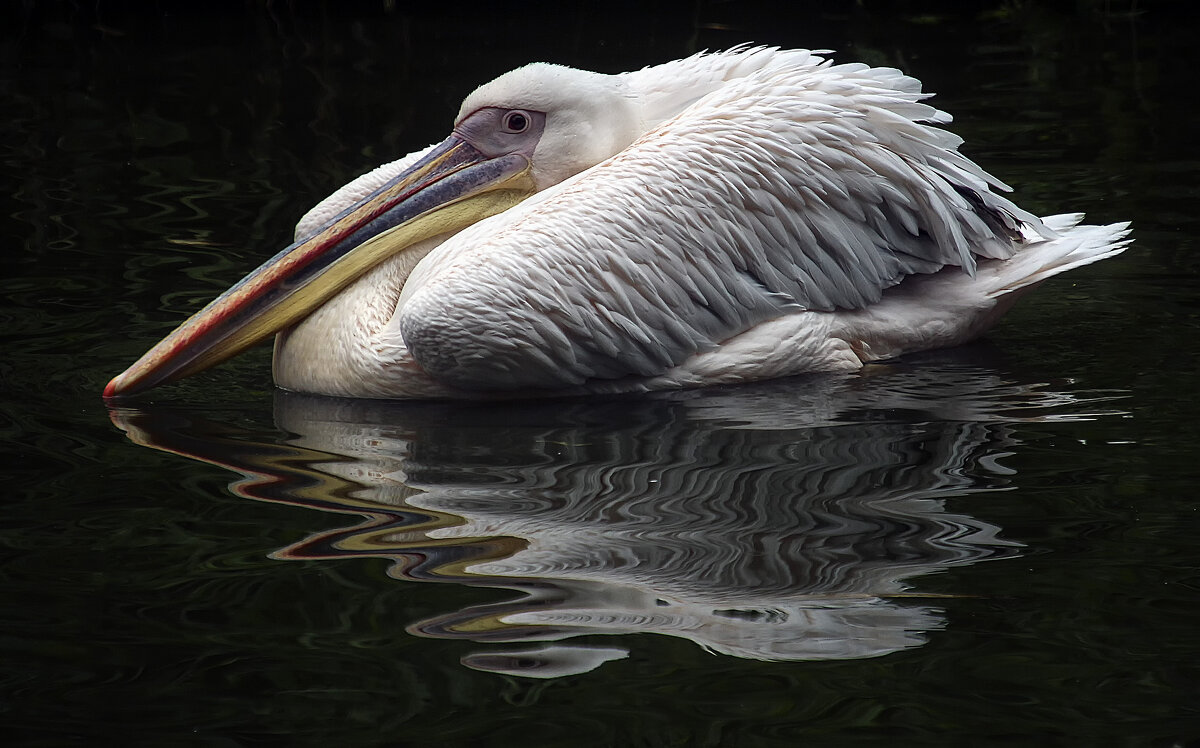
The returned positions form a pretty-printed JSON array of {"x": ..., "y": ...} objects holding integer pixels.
[
  {"x": 727, "y": 217},
  {"x": 752, "y": 232}
]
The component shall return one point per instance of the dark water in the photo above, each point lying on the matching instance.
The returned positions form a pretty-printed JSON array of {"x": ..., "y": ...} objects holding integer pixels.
[{"x": 990, "y": 546}]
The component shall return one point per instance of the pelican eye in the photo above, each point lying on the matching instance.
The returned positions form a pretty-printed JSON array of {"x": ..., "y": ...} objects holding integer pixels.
[{"x": 516, "y": 121}]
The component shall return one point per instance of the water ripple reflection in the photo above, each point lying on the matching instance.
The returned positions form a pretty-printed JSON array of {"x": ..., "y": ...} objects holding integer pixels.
[{"x": 784, "y": 521}]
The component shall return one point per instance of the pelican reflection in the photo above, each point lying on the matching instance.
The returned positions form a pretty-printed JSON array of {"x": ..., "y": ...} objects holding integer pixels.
[{"x": 782, "y": 521}]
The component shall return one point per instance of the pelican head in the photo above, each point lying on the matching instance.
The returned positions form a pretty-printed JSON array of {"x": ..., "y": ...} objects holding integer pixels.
[
  {"x": 566, "y": 120},
  {"x": 727, "y": 217},
  {"x": 527, "y": 130}
]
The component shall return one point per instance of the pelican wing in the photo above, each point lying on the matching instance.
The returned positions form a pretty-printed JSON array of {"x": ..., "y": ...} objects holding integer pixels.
[{"x": 801, "y": 186}]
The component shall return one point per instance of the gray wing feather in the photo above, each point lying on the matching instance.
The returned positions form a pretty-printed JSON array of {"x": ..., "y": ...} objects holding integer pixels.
[{"x": 801, "y": 186}]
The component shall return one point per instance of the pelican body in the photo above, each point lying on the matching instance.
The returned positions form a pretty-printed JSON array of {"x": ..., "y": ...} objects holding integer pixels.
[{"x": 727, "y": 217}]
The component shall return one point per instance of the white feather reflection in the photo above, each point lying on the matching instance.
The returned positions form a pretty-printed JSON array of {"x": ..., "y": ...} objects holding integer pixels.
[
  {"x": 545, "y": 662},
  {"x": 783, "y": 521}
]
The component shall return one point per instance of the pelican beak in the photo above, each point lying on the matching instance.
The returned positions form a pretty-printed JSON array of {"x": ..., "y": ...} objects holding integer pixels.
[{"x": 451, "y": 187}]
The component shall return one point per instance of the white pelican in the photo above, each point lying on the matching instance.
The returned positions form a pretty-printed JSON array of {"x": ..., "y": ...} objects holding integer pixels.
[{"x": 722, "y": 218}]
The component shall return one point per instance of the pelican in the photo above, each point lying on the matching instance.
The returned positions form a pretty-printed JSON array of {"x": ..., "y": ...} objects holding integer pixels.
[{"x": 726, "y": 217}]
